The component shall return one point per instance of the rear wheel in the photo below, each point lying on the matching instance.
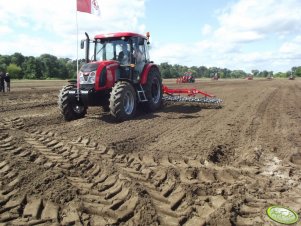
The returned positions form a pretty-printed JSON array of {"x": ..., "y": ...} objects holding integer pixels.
[
  {"x": 123, "y": 101},
  {"x": 71, "y": 110},
  {"x": 153, "y": 91}
]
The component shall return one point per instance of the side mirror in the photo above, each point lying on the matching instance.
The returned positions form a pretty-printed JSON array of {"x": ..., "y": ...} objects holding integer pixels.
[{"x": 82, "y": 44}]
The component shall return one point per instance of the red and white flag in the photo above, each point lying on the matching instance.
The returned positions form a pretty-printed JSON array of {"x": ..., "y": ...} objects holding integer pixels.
[{"x": 88, "y": 6}]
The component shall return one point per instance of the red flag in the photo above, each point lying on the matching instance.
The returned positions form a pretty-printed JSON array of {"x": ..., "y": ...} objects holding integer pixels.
[{"x": 88, "y": 6}]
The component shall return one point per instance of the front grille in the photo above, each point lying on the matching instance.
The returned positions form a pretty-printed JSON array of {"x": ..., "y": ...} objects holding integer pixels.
[{"x": 86, "y": 86}]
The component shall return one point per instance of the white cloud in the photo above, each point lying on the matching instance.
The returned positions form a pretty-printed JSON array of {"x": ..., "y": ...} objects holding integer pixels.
[
  {"x": 34, "y": 27},
  {"x": 42, "y": 26},
  {"x": 291, "y": 47},
  {"x": 269, "y": 16},
  {"x": 243, "y": 26},
  {"x": 207, "y": 29},
  {"x": 5, "y": 30}
]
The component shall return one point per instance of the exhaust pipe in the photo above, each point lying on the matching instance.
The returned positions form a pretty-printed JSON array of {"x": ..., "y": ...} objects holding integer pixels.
[{"x": 87, "y": 48}]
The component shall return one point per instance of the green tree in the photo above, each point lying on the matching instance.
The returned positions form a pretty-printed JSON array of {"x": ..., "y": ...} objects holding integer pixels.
[
  {"x": 165, "y": 70},
  {"x": 238, "y": 74},
  {"x": 18, "y": 59},
  {"x": 203, "y": 71},
  {"x": 194, "y": 71},
  {"x": 264, "y": 73},
  {"x": 296, "y": 71},
  {"x": 32, "y": 68},
  {"x": 71, "y": 68},
  {"x": 270, "y": 74},
  {"x": 226, "y": 73},
  {"x": 255, "y": 72},
  {"x": 212, "y": 71},
  {"x": 52, "y": 67},
  {"x": 280, "y": 75},
  {"x": 49, "y": 65},
  {"x": 5, "y": 60},
  {"x": 14, "y": 71}
]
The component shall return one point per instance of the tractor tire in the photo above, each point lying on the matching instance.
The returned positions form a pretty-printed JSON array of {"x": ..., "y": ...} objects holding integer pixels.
[
  {"x": 123, "y": 101},
  {"x": 153, "y": 91},
  {"x": 70, "y": 110}
]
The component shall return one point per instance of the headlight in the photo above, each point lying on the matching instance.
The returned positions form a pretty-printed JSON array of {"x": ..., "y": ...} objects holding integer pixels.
[
  {"x": 87, "y": 78},
  {"x": 92, "y": 77},
  {"x": 81, "y": 78}
]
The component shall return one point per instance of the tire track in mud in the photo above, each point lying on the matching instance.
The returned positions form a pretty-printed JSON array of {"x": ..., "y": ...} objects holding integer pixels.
[
  {"x": 234, "y": 125},
  {"x": 109, "y": 198},
  {"x": 26, "y": 105},
  {"x": 33, "y": 99},
  {"x": 185, "y": 191},
  {"x": 171, "y": 195},
  {"x": 275, "y": 123},
  {"x": 22, "y": 210},
  {"x": 256, "y": 120},
  {"x": 13, "y": 123},
  {"x": 105, "y": 196}
]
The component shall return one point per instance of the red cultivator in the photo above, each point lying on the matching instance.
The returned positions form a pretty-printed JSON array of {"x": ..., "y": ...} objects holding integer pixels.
[
  {"x": 186, "y": 78},
  {"x": 208, "y": 100}
]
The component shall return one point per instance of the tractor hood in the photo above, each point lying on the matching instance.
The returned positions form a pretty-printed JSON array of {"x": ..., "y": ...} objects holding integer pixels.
[
  {"x": 98, "y": 75},
  {"x": 89, "y": 67}
]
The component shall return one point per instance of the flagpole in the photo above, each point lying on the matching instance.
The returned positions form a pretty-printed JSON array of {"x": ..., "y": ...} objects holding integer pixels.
[
  {"x": 76, "y": 42},
  {"x": 77, "y": 85}
]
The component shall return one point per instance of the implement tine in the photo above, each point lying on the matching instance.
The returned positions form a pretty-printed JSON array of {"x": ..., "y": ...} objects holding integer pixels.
[{"x": 204, "y": 101}]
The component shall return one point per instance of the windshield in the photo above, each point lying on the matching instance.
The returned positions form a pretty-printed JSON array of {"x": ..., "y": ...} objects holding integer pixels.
[{"x": 111, "y": 49}]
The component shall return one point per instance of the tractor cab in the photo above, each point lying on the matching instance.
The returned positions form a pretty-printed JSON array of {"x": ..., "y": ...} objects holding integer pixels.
[{"x": 128, "y": 50}]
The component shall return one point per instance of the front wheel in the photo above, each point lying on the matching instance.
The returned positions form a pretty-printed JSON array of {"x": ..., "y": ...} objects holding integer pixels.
[
  {"x": 123, "y": 101},
  {"x": 70, "y": 109}
]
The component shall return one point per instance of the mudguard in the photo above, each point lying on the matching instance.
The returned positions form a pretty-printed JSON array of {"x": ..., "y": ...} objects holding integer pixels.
[{"x": 145, "y": 72}]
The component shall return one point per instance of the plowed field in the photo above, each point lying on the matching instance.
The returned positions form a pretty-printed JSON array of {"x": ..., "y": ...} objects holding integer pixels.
[{"x": 182, "y": 165}]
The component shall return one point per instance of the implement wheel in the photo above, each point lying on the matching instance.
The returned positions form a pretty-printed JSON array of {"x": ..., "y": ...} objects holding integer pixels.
[
  {"x": 123, "y": 101},
  {"x": 71, "y": 110}
]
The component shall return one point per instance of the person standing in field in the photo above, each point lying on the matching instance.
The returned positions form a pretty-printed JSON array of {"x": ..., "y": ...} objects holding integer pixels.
[
  {"x": 2, "y": 88},
  {"x": 7, "y": 81}
]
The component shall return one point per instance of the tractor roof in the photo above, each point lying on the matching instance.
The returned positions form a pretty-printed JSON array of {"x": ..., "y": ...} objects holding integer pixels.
[{"x": 119, "y": 34}]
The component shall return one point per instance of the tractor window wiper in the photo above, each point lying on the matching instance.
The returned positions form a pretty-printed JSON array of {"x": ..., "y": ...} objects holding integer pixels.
[{"x": 101, "y": 48}]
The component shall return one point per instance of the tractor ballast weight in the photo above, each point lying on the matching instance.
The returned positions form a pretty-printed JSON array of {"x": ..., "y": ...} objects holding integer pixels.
[{"x": 118, "y": 77}]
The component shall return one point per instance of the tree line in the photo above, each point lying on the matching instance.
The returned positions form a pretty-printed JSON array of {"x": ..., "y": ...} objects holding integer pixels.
[
  {"x": 174, "y": 71},
  {"x": 47, "y": 66}
]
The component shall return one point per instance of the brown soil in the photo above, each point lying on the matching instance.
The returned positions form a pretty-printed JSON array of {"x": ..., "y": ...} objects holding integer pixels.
[{"x": 182, "y": 165}]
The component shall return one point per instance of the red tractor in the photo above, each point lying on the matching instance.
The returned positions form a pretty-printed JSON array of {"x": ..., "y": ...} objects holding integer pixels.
[
  {"x": 249, "y": 77},
  {"x": 291, "y": 77},
  {"x": 215, "y": 77},
  {"x": 119, "y": 76}
]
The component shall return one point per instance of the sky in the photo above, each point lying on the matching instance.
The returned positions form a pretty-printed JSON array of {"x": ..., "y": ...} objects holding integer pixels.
[{"x": 234, "y": 34}]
